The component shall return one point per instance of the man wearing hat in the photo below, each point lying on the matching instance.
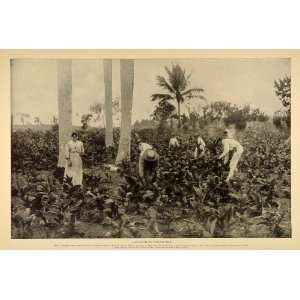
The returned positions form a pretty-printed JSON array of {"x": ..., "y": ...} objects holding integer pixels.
[{"x": 148, "y": 162}]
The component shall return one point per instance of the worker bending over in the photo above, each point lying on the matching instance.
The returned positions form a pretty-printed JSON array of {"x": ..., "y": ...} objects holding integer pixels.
[
  {"x": 230, "y": 144},
  {"x": 148, "y": 162}
]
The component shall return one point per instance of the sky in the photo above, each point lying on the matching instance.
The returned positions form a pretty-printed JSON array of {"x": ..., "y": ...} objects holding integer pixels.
[{"x": 240, "y": 81}]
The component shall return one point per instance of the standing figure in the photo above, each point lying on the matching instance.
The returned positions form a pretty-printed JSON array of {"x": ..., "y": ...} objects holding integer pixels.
[
  {"x": 200, "y": 146},
  {"x": 74, "y": 151},
  {"x": 148, "y": 162},
  {"x": 173, "y": 143},
  {"x": 230, "y": 144}
]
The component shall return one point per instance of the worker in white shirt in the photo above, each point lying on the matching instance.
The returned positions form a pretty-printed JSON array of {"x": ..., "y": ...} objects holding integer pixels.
[
  {"x": 230, "y": 144},
  {"x": 200, "y": 146},
  {"x": 173, "y": 143},
  {"x": 148, "y": 162}
]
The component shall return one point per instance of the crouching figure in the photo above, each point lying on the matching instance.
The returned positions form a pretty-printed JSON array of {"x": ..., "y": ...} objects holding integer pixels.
[{"x": 148, "y": 163}]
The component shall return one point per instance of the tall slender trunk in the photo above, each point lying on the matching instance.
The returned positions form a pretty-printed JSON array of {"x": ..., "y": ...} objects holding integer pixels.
[
  {"x": 127, "y": 80},
  {"x": 107, "y": 65},
  {"x": 64, "y": 96},
  {"x": 179, "y": 115}
]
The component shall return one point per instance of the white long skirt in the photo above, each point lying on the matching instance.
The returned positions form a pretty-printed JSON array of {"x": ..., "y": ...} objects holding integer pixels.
[
  {"x": 75, "y": 171},
  {"x": 233, "y": 163}
]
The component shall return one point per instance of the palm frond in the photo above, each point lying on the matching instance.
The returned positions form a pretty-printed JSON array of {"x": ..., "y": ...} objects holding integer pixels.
[
  {"x": 161, "y": 97},
  {"x": 194, "y": 90},
  {"x": 177, "y": 77},
  {"x": 194, "y": 93},
  {"x": 162, "y": 82},
  {"x": 168, "y": 72}
]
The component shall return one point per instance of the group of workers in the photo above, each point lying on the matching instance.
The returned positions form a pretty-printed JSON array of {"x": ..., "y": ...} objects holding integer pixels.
[{"x": 149, "y": 158}]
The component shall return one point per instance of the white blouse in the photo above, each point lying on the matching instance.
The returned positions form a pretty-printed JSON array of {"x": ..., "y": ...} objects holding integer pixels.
[
  {"x": 74, "y": 147},
  {"x": 173, "y": 142},
  {"x": 231, "y": 144}
]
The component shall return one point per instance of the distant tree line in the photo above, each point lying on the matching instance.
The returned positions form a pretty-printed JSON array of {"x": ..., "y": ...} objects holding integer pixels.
[{"x": 212, "y": 113}]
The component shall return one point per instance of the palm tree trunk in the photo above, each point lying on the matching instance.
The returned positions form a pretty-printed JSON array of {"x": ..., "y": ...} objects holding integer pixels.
[
  {"x": 179, "y": 115},
  {"x": 64, "y": 85},
  {"x": 107, "y": 65},
  {"x": 127, "y": 80}
]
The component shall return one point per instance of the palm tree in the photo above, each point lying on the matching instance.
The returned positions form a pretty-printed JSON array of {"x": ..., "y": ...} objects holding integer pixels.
[
  {"x": 177, "y": 87},
  {"x": 107, "y": 66},
  {"x": 64, "y": 96},
  {"x": 127, "y": 80}
]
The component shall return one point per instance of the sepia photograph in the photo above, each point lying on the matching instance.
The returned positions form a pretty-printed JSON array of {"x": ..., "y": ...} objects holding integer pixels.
[
  {"x": 150, "y": 148},
  {"x": 150, "y": 151}
]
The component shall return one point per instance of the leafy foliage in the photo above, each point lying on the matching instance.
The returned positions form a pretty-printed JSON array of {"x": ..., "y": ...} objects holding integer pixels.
[
  {"x": 163, "y": 111},
  {"x": 283, "y": 91},
  {"x": 214, "y": 113},
  {"x": 282, "y": 119},
  {"x": 188, "y": 198},
  {"x": 85, "y": 119}
]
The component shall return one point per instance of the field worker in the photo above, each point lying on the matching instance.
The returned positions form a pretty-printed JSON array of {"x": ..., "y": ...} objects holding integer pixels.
[
  {"x": 173, "y": 143},
  {"x": 230, "y": 144},
  {"x": 74, "y": 151},
  {"x": 148, "y": 162},
  {"x": 200, "y": 146}
]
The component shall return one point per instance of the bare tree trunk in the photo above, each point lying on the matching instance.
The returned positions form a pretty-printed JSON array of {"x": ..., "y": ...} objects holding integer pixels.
[
  {"x": 179, "y": 115},
  {"x": 64, "y": 86},
  {"x": 107, "y": 65},
  {"x": 127, "y": 79}
]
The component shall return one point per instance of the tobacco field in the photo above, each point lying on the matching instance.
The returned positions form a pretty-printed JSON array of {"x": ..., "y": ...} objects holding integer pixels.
[{"x": 188, "y": 199}]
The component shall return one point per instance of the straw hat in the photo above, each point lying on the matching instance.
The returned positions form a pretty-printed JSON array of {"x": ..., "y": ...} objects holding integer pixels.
[{"x": 150, "y": 155}]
